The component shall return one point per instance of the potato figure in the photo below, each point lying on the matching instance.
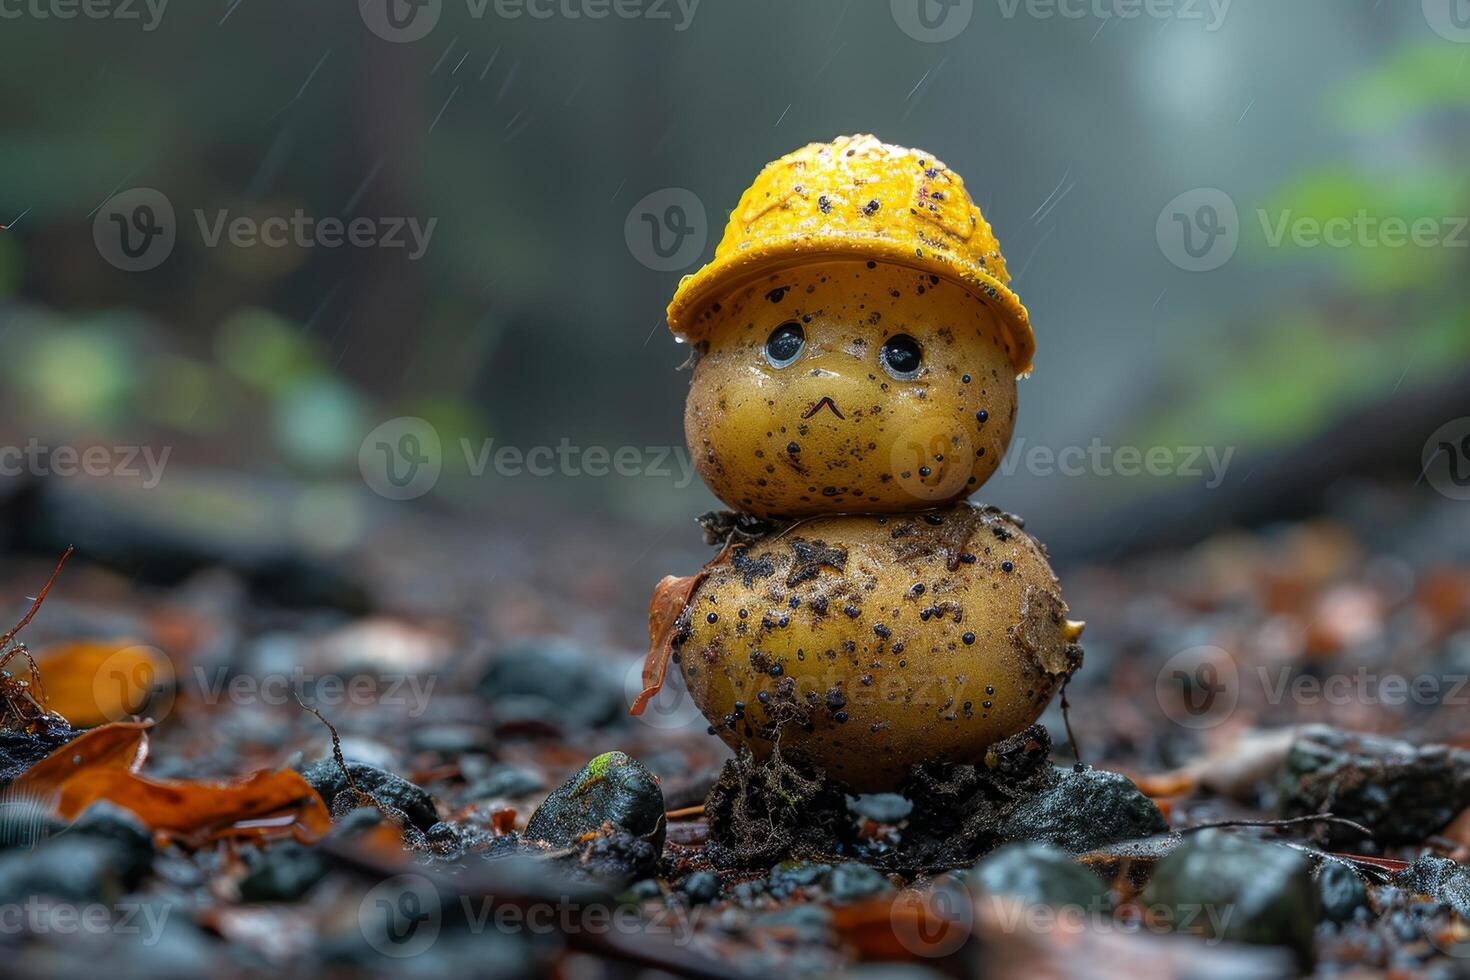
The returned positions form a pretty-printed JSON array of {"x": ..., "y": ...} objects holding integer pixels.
[{"x": 857, "y": 349}]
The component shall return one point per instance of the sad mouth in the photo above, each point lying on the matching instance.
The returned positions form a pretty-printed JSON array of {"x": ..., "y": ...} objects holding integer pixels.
[{"x": 826, "y": 401}]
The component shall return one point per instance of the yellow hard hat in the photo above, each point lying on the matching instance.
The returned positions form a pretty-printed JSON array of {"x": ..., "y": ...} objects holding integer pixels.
[{"x": 856, "y": 197}]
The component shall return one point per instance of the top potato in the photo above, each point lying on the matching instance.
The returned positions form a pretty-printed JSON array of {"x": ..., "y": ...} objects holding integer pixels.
[{"x": 850, "y": 386}]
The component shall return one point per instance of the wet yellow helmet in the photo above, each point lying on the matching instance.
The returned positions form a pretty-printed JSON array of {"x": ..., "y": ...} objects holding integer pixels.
[{"x": 857, "y": 197}]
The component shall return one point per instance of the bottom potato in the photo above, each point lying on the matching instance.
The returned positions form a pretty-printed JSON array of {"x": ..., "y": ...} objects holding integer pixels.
[{"x": 872, "y": 643}]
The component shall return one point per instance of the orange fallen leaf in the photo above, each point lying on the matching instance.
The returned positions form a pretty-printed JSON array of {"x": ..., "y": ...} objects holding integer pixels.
[
  {"x": 89, "y": 683},
  {"x": 103, "y": 764},
  {"x": 664, "y": 611},
  {"x": 670, "y": 599}
]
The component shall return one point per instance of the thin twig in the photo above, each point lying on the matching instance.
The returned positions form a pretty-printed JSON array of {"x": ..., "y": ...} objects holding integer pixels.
[
  {"x": 1067, "y": 720},
  {"x": 1281, "y": 823},
  {"x": 36, "y": 603}
]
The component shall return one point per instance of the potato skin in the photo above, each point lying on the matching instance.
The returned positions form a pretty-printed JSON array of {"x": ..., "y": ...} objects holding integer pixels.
[
  {"x": 873, "y": 643},
  {"x": 899, "y": 445}
]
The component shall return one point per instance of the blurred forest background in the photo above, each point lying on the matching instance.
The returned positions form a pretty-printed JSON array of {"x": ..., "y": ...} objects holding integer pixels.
[{"x": 530, "y": 318}]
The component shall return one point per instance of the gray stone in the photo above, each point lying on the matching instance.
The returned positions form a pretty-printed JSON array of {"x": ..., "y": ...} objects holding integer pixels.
[
  {"x": 1238, "y": 889},
  {"x": 1087, "y": 809}
]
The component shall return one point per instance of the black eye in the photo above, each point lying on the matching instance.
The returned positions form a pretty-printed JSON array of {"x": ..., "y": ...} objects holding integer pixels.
[
  {"x": 784, "y": 344},
  {"x": 901, "y": 356}
]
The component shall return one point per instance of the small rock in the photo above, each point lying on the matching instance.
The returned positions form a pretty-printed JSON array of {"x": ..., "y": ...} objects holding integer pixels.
[
  {"x": 613, "y": 788},
  {"x": 326, "y": 777},
  {"x": 788, "y": 876},
  {"x": 807, "y": 922},
  {"x": 640, "y": 890},
  {"x": 506, "y": 782},
  {"x": 701, "y": 887},
  {"x": 852, "y": 881},
  {"x": 550, "y": 679},
  {"x": 449, "y": 739},
  {"x": 71, "y": 869},
  {"x": 1238, "y": 889},
  {"x": 1087, "y": 809},
  {"x": 1040, "y": 874},
  {"x": 21, "y": 750},
  {"x": 1340, "y": 890},
  {"x": 887, "y": 808},
  {"x": 1400, "y": 791},
  {"x": 107, "y": 821},
  {"x": 1441, "y": 879},
  {"x": 283, "y": 873}
]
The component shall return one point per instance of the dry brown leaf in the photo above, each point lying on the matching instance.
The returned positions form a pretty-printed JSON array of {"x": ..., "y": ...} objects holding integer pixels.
[
  {"x": 669, "y": 600},
  {"x": 667, "y": 606},
  {"x": 103, "y": 764}
]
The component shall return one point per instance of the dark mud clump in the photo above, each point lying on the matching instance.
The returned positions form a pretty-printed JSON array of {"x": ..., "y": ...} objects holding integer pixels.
[
  {"x": 762, "y": 812},
  {"x": 959, "y": 809}
]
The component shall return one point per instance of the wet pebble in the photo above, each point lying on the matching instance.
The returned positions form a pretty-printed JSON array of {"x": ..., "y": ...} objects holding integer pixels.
[
  {"x": 887, "y": 808},
  {"x": 1087, "y": 809},
  {"x": 1040, "y": 874},
  {"x": 1240, "y": 889},
  {"x": 701, "y": 887},
  {"x": 1340, "y": 890},
  {"x": 327, "y": 778},
  {"x": 613, "y": 788},
  {"x": 282, "y": 873},
  {"x": 1440, "y": 878},
  {"x": 552, "y": 680},
  {"x": 852, "y": 882},
  {"x": 506, "y": 782}
]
